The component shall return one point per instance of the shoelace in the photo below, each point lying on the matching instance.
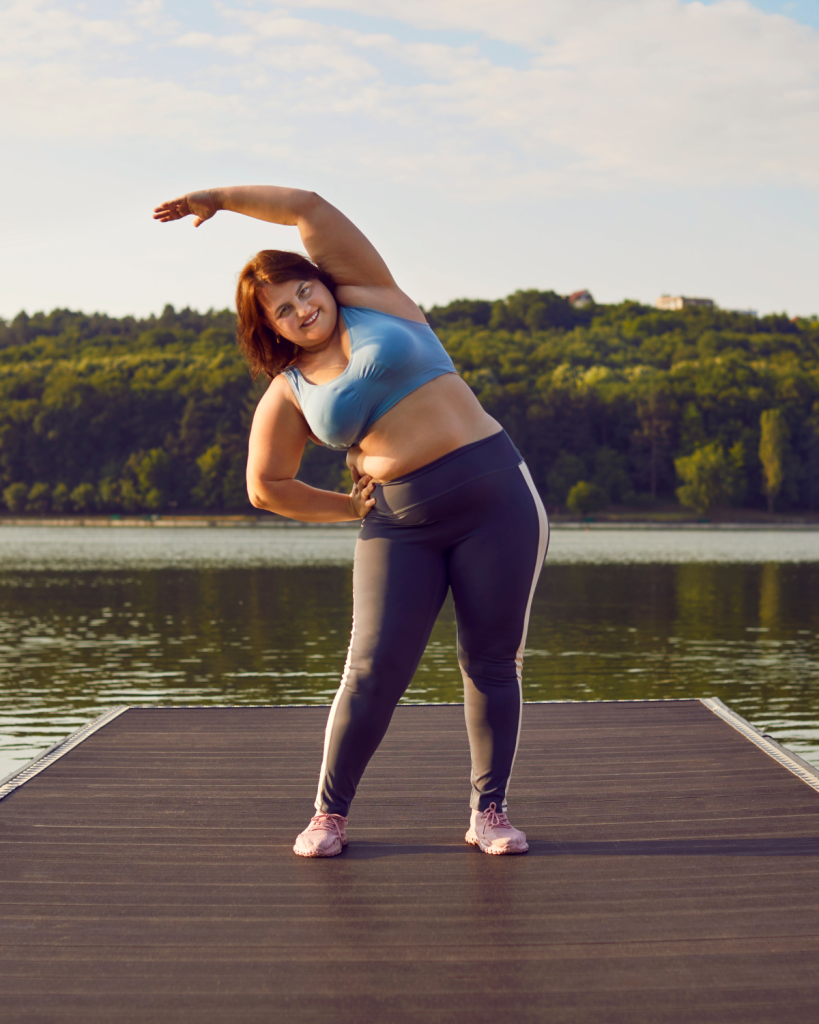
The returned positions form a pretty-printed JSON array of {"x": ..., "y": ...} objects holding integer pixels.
[
  {"x": 326, "y": 823},
  {"x": 494, "y": 820}
]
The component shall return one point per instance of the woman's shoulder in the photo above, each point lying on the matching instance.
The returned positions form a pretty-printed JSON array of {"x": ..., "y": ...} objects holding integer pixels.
[
  {"x": 279, "y": 400},
  {"x": 282, "y": 387},
  {"x": 391, "y": 301}
]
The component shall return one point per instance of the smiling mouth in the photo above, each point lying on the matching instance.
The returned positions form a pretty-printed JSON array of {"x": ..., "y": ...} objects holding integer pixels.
[{"x": 311, "y": 319}]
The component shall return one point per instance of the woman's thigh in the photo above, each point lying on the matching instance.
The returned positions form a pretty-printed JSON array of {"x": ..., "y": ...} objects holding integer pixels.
[
  {"x": 493, "y": 571},
  {"x": 399, "y": 585}
]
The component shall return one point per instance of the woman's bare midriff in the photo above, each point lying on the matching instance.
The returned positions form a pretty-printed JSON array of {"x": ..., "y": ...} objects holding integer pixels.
[{"x": 429, "y": 423}]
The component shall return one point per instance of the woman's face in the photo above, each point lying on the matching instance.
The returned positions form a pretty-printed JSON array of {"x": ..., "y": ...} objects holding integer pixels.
[{"x": 303, "y": 312}]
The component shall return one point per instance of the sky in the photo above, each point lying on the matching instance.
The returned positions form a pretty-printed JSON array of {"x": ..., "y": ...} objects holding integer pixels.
[{"x": 631, "y": 147}]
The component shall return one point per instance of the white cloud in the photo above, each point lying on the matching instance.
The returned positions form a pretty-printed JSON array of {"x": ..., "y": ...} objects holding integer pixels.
[
  {"x": 35, "y": 30},
  {"x": 57, "y": 101},
  {"x": 613, "y": 93}
]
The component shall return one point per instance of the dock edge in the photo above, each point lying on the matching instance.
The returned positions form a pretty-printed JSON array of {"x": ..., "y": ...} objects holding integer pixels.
[
  {"x": 787, "y": 758},
  {"x": 52, "y": 754}
]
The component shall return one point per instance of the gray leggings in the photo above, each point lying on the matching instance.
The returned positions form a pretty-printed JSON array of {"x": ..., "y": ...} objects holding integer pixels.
[{"x": 472, "y": 521}]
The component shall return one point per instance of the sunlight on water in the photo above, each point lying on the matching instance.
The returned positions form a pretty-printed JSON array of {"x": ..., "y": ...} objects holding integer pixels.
[
  {"x": 154, "y": 547},
  {"x": 97, "y": 616},
  {"x": 692, "y": 545}
]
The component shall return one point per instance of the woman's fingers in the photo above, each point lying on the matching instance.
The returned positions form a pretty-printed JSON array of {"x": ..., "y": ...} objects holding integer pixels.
[
  {"x": 363, "y": 486},
  {"x": 172, "y": 209},
  {"x": 362, "y": 490},
  {"x": 201, "y": 205}
]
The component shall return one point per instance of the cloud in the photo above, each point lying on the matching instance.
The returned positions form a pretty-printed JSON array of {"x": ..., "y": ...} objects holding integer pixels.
[
  {"x": 34, "y": 31},
  {"x": 608, "y": 93}
]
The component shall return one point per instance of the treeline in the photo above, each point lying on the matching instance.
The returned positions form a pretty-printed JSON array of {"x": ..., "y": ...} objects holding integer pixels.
[{"x": 618, "y": 404}]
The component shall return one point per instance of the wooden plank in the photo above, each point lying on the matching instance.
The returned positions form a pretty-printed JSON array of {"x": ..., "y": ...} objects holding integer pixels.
[{"x": 673, "y": 876}]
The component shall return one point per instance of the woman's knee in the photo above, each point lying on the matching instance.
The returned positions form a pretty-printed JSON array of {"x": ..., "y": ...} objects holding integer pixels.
[
  {"x": 378, "y": 677},
  {"x": 491, "y": 671}
]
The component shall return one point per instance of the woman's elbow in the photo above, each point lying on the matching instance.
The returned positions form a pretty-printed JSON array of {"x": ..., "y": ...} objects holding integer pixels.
[
  {"x": 267, "y": 494},
  {"x": 256, "y": 495}
]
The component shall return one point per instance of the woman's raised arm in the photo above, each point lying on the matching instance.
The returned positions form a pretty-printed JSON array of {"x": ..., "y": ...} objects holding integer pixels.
[{"x": 331, "y": 239}]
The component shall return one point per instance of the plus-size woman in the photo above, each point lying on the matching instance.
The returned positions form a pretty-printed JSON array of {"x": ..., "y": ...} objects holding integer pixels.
[{"x": 445, "y": 498}]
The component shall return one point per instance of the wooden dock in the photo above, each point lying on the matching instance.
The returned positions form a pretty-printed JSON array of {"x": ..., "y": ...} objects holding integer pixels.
[{"x": 673, "y": 876}]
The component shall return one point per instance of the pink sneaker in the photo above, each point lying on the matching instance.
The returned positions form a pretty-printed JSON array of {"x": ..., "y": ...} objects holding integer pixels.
[
  {"x": 325, "y": 836},
  {"x": 493, "y": 833}
]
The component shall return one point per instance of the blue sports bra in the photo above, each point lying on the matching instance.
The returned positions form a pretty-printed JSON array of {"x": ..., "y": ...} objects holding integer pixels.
[{"x": 389, "y": 358}]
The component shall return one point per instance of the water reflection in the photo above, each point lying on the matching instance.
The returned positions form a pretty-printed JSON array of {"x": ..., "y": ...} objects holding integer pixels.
[{"x": 75, "y": 640}]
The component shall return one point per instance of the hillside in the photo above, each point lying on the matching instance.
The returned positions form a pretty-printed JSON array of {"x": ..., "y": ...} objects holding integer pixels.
[{"x": 105, "y": 414}]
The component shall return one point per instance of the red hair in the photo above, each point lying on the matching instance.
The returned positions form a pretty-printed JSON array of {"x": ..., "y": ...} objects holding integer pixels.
[{"x": 265, "y": 351}]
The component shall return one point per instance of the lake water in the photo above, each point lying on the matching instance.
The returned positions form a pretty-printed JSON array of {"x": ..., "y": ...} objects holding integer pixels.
[{"x": 91, "y": 617}]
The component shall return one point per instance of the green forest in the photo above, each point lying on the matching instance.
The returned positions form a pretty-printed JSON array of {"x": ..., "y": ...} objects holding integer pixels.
[{"x": 611, "y": 405}]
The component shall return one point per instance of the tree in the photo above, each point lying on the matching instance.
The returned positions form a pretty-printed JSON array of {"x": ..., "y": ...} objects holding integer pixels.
[
  {"x": 585, "y": 498},
  {"x": 471, "y": 311},
  {"x": 129, "y": 499},
  {"x": 654, "y": 432},
  {"x": 60, "y": 498},
  {"x": 773, "y": 436},
  {"x": 534, "y": 311},
  {"x": 108, "y": 494},
  {"x": 611, "y": 475},
  {"x": 706, "y": 477},
  {"x": 15, "y": 496},
  {"x": 210, "y": 464},
  {"x": 812, "y": 458},
  {"x": 84, "y": 497},
  {"x": 234, "y": 484},
  {"x": 736, "y": 477},
  {"x": 39, "y": 498},
  {"x": 155, "y": 412},
  {"x": 566, "y": 471},
  {"x": 152, "y": 474}
]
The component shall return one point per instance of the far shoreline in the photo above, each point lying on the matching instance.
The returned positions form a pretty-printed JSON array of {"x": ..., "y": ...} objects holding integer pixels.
[{"x": 723, "y": 521}]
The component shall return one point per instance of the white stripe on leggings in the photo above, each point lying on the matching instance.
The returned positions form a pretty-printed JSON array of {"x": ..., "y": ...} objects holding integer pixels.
[
  {"x": 333, "y": 708},
  {"x": 542, "y": 547}
]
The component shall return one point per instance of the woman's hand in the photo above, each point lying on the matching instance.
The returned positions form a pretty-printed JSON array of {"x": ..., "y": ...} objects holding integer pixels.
[
  {"x": 201, "y": 205},
  {"x": 360, "y": 500}
]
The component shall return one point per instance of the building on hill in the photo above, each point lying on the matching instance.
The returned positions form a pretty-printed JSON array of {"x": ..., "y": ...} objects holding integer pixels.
[
  {"x": 673, "y": 302},
  {"x": 581, "y": 299}
]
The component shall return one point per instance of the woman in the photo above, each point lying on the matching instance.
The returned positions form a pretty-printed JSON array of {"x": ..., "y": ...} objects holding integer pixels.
[{"x": 445, "y": 498}]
